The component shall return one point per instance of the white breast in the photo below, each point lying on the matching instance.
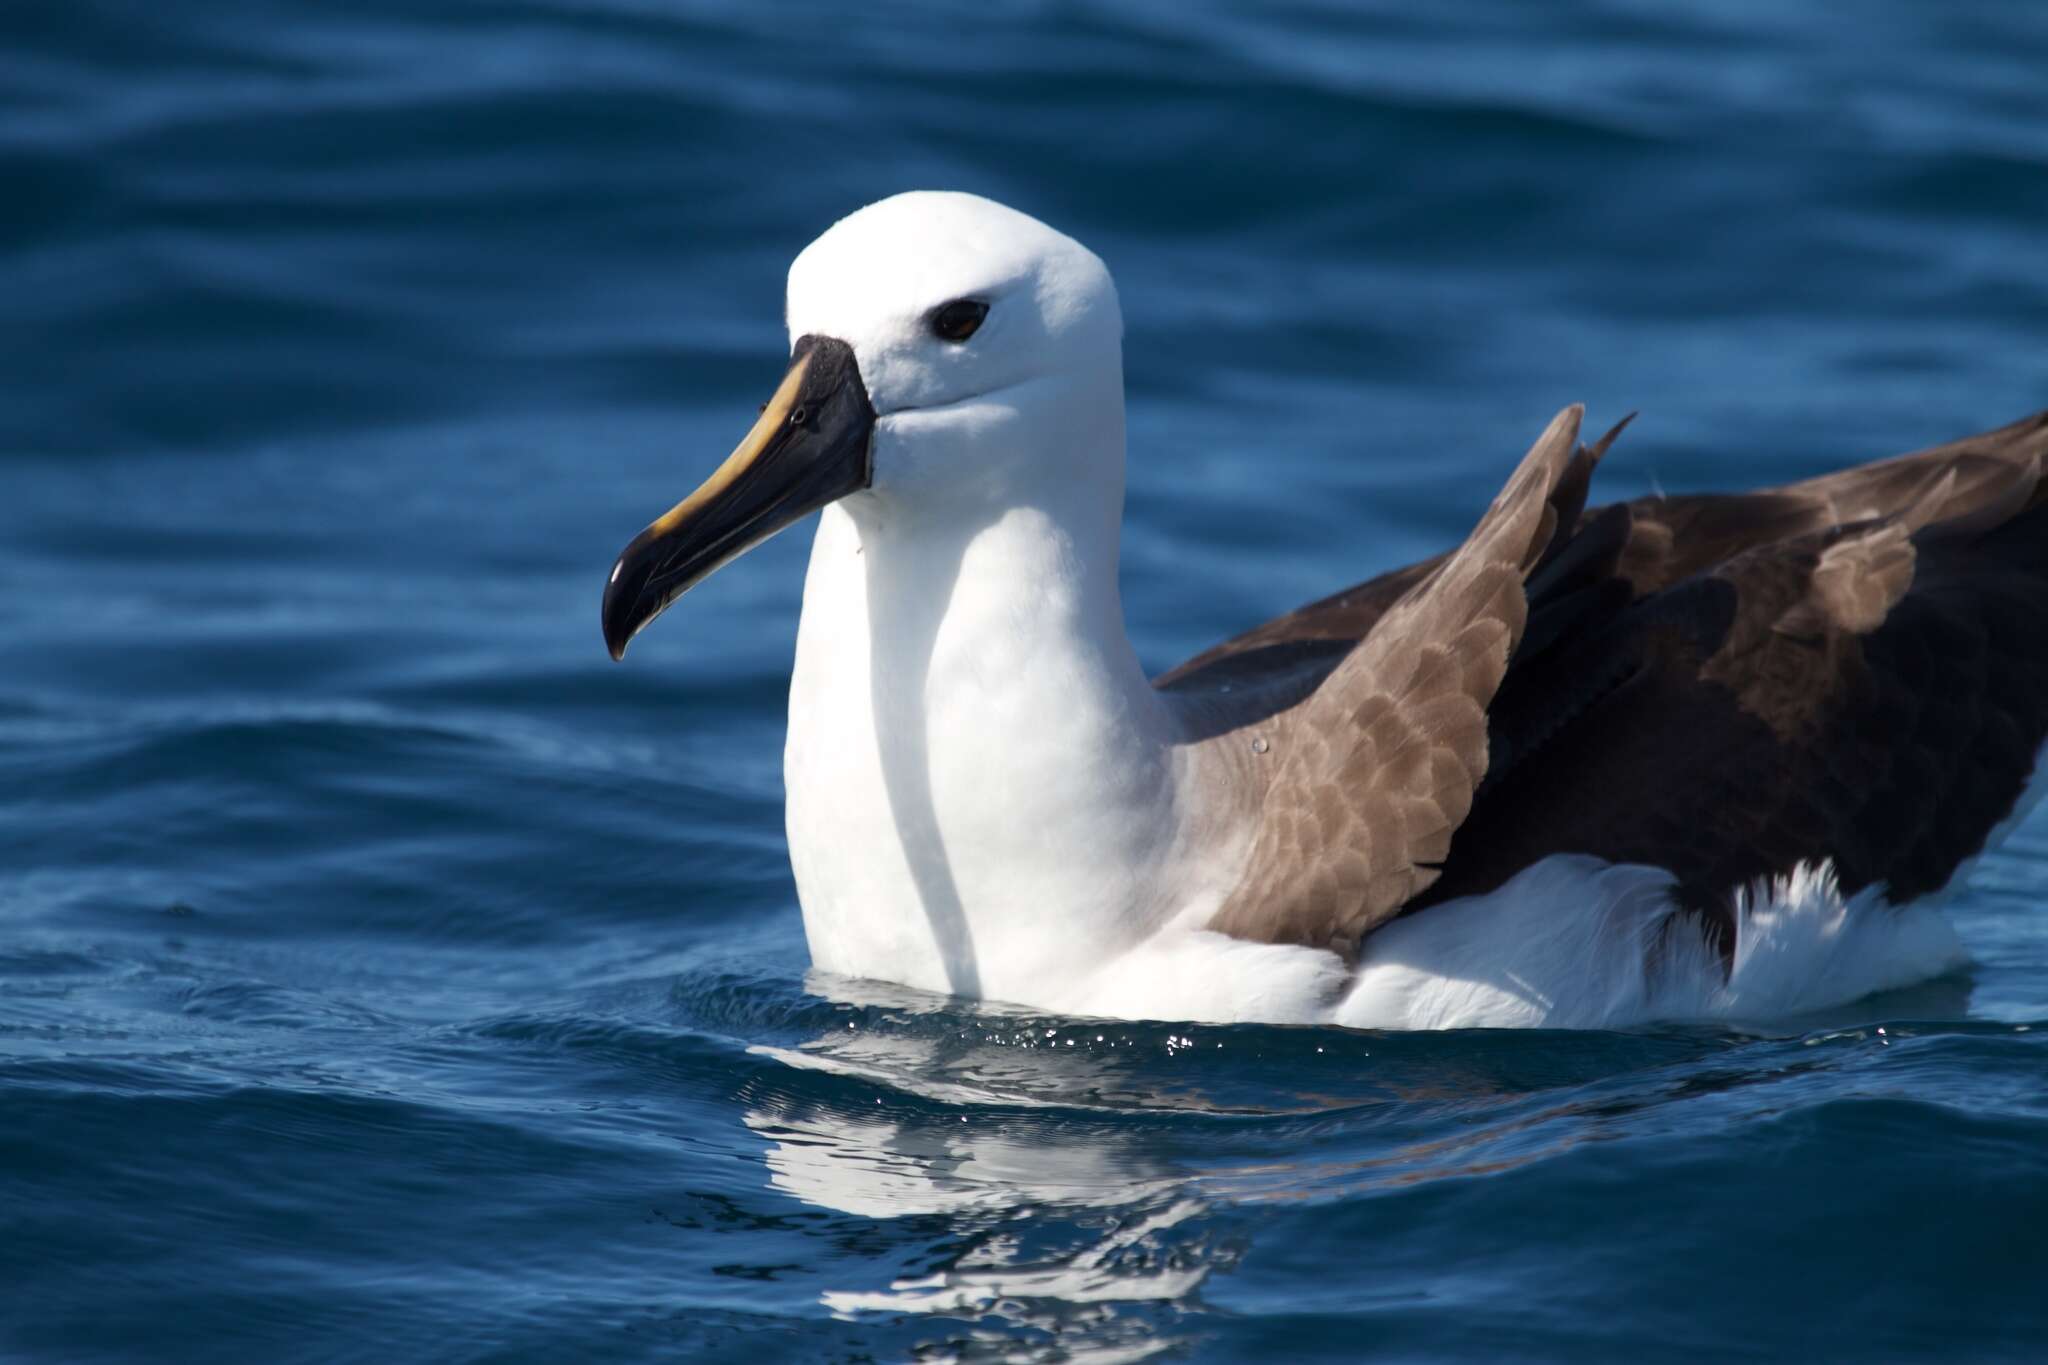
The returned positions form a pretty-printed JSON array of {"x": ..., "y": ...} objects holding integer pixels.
[
  {"x": 973, "y": 805},
  {"x": 852, "y": 871}
]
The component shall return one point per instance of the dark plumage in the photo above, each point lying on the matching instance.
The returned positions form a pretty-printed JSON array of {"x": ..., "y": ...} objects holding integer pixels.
[{"x": 1852, "y": 668}]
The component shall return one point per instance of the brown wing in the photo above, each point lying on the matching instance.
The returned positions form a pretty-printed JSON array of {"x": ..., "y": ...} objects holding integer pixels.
[
  {"x": 1852, "y": 668},
  {"x": 1872, "y": 693},
  {"x": 1375, "y": 771}
]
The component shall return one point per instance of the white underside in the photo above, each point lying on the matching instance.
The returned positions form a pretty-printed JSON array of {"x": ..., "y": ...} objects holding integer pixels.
[
  {"x": 1573, "y": 943},
  {"x": 1570, "y": 942}
]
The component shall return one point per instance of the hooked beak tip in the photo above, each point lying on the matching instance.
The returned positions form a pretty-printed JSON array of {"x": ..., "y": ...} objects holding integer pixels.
[{"x": 621, "y": 616}]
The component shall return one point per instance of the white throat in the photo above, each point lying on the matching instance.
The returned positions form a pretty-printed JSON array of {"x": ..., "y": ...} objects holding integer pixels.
[{"x": 982, "y": 784}]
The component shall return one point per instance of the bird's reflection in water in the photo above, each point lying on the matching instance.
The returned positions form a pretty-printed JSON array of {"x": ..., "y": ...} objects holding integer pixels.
[{"x": 1067, "y": 1229}]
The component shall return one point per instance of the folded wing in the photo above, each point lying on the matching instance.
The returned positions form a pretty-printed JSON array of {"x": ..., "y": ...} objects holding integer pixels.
[{"x": 1853, "y": 668}]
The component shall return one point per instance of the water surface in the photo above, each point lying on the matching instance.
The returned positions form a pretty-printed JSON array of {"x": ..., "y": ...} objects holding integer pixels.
[{"x": 384, "y": 974}]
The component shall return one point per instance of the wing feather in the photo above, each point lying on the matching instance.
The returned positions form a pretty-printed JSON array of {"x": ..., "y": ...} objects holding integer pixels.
[
  {"x": 1375, "y": 772},
  {"x": 1852, "y": 667}
]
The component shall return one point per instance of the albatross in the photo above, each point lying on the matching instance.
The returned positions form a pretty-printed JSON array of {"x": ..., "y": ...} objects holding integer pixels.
[{"x": 1713, "y": 756}]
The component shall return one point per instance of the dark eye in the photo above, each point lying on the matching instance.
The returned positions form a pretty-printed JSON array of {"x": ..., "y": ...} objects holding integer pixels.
[{"x": 956, "y": 321}]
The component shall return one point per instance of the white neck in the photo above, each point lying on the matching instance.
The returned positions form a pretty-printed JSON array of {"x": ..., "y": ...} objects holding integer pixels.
[{"x": 982, "y": 783}]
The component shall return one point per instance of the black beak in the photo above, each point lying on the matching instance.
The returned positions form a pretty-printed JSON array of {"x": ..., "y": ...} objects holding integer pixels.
[{"x": 810, "y": 447}]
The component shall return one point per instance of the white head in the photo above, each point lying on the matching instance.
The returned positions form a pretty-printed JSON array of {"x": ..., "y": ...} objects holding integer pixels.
[
  {"x": 903, "y": 282},
  {"x": 949, "y": 355},
  {"x": 879, "y": 278}
]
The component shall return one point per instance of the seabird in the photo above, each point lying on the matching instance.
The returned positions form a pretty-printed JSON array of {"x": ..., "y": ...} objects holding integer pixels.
[{"x": 1699, "y": 756}]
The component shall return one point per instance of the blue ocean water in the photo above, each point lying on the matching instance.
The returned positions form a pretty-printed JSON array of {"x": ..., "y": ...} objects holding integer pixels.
[{"x": 387, "y": 975}]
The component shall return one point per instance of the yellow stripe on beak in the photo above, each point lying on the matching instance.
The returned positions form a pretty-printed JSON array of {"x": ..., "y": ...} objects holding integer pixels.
[{"x": 773, "y": 414}]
